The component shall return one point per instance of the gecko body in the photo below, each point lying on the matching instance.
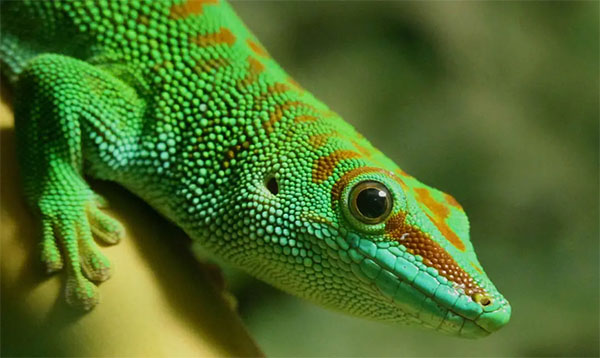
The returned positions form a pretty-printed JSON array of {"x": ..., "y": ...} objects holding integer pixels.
[{"x": 180, "y": 103}]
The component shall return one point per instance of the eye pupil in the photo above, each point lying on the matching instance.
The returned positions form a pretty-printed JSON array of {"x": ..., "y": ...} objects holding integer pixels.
[{"x": 372, "y": 202}]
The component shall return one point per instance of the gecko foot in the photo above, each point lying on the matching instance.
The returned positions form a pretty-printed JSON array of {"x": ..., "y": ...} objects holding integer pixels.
[{"x": 68, "y": 241}]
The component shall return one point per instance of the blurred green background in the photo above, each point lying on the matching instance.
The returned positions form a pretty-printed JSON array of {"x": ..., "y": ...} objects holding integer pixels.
[{"x": 493, "y": 102}]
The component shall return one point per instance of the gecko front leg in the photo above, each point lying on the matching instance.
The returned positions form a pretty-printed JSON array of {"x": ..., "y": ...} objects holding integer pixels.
[{"x": 68, "y": 110}]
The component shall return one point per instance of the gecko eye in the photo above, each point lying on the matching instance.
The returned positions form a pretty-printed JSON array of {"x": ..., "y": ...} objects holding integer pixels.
[{"x": 370, "y": 202}]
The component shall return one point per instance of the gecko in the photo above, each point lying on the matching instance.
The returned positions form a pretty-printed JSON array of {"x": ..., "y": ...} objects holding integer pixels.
[{"x": 179, "y": 102}]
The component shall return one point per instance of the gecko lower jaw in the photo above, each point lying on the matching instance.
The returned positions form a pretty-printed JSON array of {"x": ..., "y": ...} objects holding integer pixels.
[
  {"x": 493, "y": 320},
  {"x": 458, "y": 323},
  {"x": 487, "y": 323},
  {"x": 438, "y": 310}
]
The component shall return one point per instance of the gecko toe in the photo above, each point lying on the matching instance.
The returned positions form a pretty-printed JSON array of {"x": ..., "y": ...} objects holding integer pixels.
[
  {"x": 51, "y": 256},
  {"x": 94, "y": 264},
  {"x": 106, "y": 229},
  {"x": 81, "y": 293}
]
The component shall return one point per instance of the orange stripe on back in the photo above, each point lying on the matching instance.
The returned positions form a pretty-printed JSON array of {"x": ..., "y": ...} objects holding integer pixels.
[
  {"x": 257, "y": 48},
  {"x": 255, "y": 68},
  {"x": 210, "y": 65},
  {"x": 224, "y": 36},
  {"x": 271, "y": 91},
  {"x": 189, "y": 7},
  {"x": 278, "y": 114}
]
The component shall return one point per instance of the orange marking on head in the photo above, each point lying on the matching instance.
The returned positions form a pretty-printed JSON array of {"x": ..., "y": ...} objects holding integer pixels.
[
  {"x": 402, "y": 173},
  {"x": 295, "y": 84},
  {"x": 255, "y": 68},
  {"x": 278, "y": 87},
  {"x": 420, "y": 243},
  {"x": 439, "y": 210},
  {"x": 278, "y": 114},
  {"x": 477, "y": 268},
  {"x": 257, "y": 48},
  {"x": 224, "y": 36},
  {"x": 318, "y": 140},
  {"x": 328, "y": 113},
  {"x": 305, "y": 118},
  {"x": 324, "y": 166},
  {"x": 451, "y": 201},
  {"x": 341, "y": 183},
  {"x": 448, "y": 233},
  {"x": 271, "y": 91},
  {"x": 189, "y": 7},
  {"x": 440, "y": 214},
  {"x": 211, "y": 64},
  {"x": 362, "y": 149}
]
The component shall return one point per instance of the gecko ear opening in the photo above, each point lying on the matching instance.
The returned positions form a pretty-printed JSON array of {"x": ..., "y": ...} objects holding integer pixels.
[{"x": 272, "y": 185}]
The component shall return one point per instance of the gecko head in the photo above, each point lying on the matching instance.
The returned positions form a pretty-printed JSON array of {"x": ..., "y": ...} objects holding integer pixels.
[
  {"x": 355, "y": 233},
  {"x": 408, "y": 244}
]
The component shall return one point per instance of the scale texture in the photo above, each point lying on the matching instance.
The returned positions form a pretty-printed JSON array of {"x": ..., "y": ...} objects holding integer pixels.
[{"x": 179, "y": 102}]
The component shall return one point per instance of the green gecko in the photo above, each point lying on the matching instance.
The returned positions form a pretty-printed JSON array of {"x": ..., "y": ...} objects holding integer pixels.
[{"x": 180, "y": 103}]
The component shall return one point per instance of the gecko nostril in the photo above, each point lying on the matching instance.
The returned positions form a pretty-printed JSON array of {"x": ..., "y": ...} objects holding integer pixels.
[
  {"x": 482, "y": 299},
  {"x": 272, "y": 185}
]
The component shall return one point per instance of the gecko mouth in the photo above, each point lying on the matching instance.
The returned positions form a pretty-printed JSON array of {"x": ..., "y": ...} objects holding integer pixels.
[{"x": 414, "y": 287}]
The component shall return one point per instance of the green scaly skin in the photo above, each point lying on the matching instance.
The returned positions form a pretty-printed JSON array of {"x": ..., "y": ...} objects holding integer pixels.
[{"x": 179, "y": 103}]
